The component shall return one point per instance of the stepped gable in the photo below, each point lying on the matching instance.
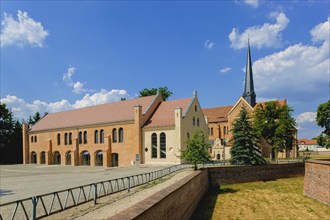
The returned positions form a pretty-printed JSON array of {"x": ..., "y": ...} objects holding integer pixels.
[{"x": 99, "y": 114}]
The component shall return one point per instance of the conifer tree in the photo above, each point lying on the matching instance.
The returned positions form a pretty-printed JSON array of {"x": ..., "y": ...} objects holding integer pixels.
[{"x": 244, "y": 149}]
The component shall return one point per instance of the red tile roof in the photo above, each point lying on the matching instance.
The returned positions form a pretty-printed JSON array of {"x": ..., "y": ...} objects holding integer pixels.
[
  {"x": 93, "y": 115},
  {"x": 164, "y": 114},
  {"x": 217, "y": 114},
  {"x": 307, "y": 142}
]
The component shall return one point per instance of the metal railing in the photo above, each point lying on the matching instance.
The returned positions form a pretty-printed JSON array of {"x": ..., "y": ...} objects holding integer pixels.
[{"x": 50, "y": 203}]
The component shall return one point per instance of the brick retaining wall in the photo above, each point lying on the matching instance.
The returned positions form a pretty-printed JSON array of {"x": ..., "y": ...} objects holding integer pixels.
[
  {"x": 241, "y": 174},
  {"x": 177, "y": 201},
  {"x": 317, "y": 180}
]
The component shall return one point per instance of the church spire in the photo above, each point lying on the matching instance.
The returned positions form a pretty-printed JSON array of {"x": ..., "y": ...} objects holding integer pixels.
[{"x": 249, "y": 95}]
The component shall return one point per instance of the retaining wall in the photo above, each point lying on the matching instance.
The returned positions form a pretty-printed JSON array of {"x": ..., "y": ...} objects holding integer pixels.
[
  {"x": 317, "y": 180},
  {"x": 242, "y": 174},
  {"x": 177, "y": 201}
]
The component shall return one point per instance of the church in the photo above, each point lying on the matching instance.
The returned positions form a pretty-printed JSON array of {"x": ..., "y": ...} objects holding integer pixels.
[
  {"x": 220, "y": 120},
  {"x": 145, "y": 130}
]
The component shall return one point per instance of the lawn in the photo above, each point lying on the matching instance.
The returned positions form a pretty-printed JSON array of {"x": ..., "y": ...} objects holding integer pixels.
[{"x": 279, "y": 199}]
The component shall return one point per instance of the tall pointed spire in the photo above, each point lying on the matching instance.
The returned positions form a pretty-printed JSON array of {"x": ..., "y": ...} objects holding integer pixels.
[{"x": 249, "y": 95}]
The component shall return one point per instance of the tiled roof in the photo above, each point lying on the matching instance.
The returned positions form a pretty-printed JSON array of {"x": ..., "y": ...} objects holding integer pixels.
[
  {"x": 217, "y": 114},
  {"x": 164, "y": 115},
  {"x": 93, "y": 115},
  {"x": 307, "y": 142}
]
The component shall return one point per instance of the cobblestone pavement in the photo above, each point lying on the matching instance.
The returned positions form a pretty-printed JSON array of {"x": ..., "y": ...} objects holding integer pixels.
[{"x": 23, "y": 181}]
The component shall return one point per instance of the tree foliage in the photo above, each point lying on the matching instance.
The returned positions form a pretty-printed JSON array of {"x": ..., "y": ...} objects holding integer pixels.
[
  {"x": 10, "y": 137},
  {"x": 323, "y": 120},
  {"x": 34, "y": 118},
  {"x": 153, "y": 91},
  {"x": 197, "y": 150},
  {"x": 245, "y": 149},
  {"x": 274, "y": 123}
]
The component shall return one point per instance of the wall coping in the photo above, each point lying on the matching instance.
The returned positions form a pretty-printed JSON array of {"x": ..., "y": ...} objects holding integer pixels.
[{"x": 324, "y": 162}]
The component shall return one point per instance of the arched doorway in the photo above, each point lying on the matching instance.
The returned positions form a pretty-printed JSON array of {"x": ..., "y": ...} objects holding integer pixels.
[
  {"x": 42, "y": 157},
  {"x": 57, "y": 158},
  {"x": 99, "y": 158},
  {"x": 68, "y": 158},
  {"x": 33, "y": 157},
  {"x": 115, "y": 159},
  {"x": 218, "y": 156},
  {"x": 85, "y": 158}
]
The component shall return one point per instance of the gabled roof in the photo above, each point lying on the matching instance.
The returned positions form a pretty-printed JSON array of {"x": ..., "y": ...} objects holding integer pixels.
[
  {"x": 164, "y": 114},
  {"x": 99, "y": 114},
  {"x": 307, "y": 142},
  {"x": 217, "y": 114}
]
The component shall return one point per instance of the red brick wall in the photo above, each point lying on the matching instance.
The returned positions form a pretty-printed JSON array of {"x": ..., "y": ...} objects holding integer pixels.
[
  {"x": 241, "y": 174},
  {"x": 177, "y": 201},
  {"x": 317, "y": 180}
]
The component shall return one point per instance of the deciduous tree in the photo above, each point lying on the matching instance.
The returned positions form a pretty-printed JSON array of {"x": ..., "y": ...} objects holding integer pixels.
[{"x": 153, "y": 91}]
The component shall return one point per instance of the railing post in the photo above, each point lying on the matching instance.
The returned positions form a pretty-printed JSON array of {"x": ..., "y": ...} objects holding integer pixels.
[
  {"x": 128, "y": 184},
  {"x": 34, "y": 208},
  {"x": 95, "y": 193}
]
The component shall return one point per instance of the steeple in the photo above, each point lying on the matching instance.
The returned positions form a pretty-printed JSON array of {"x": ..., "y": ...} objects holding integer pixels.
[{"x": 249, "y": 95}]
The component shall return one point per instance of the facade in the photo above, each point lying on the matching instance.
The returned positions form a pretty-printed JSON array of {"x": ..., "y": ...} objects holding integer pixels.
[
  {"x": 310, "y": 145},
  {"x": 113, "y": 134},
  {"x": 221, "y": 119}
]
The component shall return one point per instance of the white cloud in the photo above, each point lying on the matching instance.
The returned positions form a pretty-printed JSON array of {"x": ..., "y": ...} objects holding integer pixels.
[
  {"x": 67, "y": 77},
  {"x": 78, "y": 87},
  {"x": 321, "y": 32},
  {"x": 208, "y": 44},
  {"x": 21, "y": 32},
  {"x": 224, "y": 70},
  {"x": 22, "y": 109},
  {"x": 306, "y": 117},
  {"x": 266, "y": 35},
  {"x": 299, "y": 71},
  {"x": 253, "y": 3}
]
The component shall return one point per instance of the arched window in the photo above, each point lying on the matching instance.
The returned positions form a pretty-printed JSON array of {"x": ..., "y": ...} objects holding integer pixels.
[
  {"x": 56, "y": 158},
  {"x": 96, "y": 136},
  {"x": 163, "y": 145},
  {"x": 102, "y": 136},
  {"x": 85, "y": 158},
  {"x": 68, "y": 158},
  {"x": 198, "y": 122},
  {"x": 154, "y": 145},
  {"x": 195, "y": 108},
  {"x": 66, "y": 138},
  {"x": 42, "y": 157},
  {"x": 211, "y": 131},
  {"x": 121, "y": 135},
  {"x": 114, "y": 135},
  {"x": 85, "y": 137},
  {"x": 194, "y": 120},
  {"x": 32, "y": 139},
  {"x": 188, "y": 135},
  {"x": 80, "y": 137},
  {"x": 35, "y": 138},
  {"x": 33, "y": 157},
  {"x": 70, "y": 138},
  {"x": 58, "y": 139},
  {"x": 99, "y": 158}
]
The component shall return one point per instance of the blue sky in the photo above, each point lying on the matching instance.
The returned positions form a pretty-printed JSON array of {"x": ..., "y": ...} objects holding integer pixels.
[{"x": 58, "y": 55}]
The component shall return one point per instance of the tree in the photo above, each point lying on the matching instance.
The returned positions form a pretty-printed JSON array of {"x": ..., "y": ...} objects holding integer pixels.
[
  {"x": 274, "y": 123},
  {"x": 153, "y": 91},
  {"x": 33, "y": 119},
  {"x": 197, "y": 150},
  {"x": 245, "y": 150},
  {"x": 323, "y": 120}
]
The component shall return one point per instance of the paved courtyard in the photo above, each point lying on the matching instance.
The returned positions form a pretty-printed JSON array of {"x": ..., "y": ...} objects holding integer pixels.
[{"x": 23, "y": 181}]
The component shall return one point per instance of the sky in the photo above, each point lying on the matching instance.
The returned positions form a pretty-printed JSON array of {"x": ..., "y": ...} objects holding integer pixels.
[{"x": 61, "y": 55}]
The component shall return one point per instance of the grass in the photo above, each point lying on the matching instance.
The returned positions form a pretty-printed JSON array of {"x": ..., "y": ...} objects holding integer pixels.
[{"x": 280, "y": 199}]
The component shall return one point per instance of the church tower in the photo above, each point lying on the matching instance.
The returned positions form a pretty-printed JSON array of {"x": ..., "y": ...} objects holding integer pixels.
[{"x": 249, "y": 95}]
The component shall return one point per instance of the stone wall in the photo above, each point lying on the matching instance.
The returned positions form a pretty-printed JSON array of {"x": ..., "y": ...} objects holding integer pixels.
[
  {"x": 177, "y": 201},
  {"x": 241, "y": 174},
  {"x": 317, "y": 180}
]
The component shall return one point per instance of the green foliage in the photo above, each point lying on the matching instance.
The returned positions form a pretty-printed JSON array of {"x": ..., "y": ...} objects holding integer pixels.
[
  {"x": 245, "y": 150},
  {"x": 10, "y": 137},
  {"x": 323, "y": 117},
  {"x": 153, "y": 91},
  {"x": 33, "y": 119},
  {"x": 276, "y": 125},
  {"x": 197, "y": 150},
  {"x": 323, "y": 120}
]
